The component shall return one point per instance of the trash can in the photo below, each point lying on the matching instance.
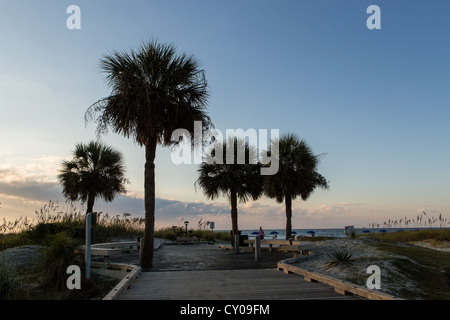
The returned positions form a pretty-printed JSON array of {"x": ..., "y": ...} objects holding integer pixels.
[{"x": 242, "y": 237}]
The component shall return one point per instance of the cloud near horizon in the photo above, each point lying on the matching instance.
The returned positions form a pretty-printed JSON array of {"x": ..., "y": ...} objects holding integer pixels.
[
  {"x": 22, "y": 198},
  {"x": 34, "y": 194}
]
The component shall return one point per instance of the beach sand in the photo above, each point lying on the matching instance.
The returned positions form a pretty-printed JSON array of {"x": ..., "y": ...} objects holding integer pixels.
[{"x": 363, "y": 255}]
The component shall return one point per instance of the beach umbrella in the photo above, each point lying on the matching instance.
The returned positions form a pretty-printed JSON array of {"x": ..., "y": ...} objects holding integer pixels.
[
  {"x": 310, "y": 231},
  {"x": 274, "y": 232},
  {"x": 254, "y": 232},
  {"x": 293, "y": 232},
  {"x": 366, "y": 231},
  {"x": 382, "y": 230}
]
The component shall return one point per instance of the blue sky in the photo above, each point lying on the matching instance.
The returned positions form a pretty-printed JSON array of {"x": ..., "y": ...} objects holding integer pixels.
[{"x": 376, "y": 101}]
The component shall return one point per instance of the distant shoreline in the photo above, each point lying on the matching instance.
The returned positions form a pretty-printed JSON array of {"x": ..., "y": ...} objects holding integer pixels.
[{"x": 329, "y": 232}]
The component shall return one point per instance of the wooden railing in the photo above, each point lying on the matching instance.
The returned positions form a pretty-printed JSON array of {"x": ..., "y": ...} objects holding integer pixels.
[{"x": 340, "y": 286}]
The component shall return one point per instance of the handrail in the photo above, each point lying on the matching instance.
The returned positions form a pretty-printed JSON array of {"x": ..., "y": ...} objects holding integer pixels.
[
  {"x": 340, "y": 286},
  {"x": 126, "y": 281}
]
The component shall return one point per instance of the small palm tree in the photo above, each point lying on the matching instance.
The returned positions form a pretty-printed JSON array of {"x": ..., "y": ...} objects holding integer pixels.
[
  {"x": 297, "y": 174},
  {"x": 96, "y": 171},
  {"x": 339, "y": 256},
  {"x": 154, "y": 91},
  {"x": 234, "y": 180}
]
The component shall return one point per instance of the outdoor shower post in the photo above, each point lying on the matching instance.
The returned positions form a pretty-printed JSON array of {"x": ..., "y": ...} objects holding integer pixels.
[
  {"x": 186, "y": 224},
  {"x": 257, "y": 248}
]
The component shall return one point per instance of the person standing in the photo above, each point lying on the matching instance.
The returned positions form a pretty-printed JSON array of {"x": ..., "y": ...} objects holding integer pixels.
[{"x": 261, "y": 233}]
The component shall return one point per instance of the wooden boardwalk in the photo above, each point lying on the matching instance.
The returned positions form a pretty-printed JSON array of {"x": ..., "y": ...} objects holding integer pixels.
[{"x": 237, "y": 284}]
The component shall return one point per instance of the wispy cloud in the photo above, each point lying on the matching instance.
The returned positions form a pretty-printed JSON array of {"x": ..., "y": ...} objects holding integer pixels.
[{"x": 42, "y": 169}]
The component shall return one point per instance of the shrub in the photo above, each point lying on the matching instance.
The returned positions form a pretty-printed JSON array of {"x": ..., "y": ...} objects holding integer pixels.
[
  {"x": 8, "y": 282},
  {"x": 338, "y": 257},
  {"x": 58, "y": 256}
]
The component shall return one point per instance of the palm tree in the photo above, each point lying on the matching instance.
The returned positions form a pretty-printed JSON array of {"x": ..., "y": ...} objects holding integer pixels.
[
  {"x": 96, "y": 171},
  {"x": 297, "y": 174},
  {"x": 233, "y": 180},
  {"x": 154, "y": 92}
]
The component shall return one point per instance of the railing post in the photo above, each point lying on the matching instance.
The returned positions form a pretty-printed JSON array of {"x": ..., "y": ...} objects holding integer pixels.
[
  {"x": 141, "y": 246},
  {"x": 257, "y": 248},
  {"x": 87, "y": 257}
]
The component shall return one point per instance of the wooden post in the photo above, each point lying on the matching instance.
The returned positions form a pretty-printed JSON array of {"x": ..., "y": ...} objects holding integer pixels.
[
  {"x": 257, "y": 248},
  {"x": 236, "y": 243},
  {"x": 87, "y": 257},
  {"x": 141, "y": 245}
]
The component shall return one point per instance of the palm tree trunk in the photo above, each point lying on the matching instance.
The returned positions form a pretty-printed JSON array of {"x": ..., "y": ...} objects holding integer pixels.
[
  {"x": 90, "y": 209},
  {"x": 149, "y": 186},
  {"x": 234, "y": 217},
  {"x": 288, "y": 203},
  {"x": 90, "y": 203}
]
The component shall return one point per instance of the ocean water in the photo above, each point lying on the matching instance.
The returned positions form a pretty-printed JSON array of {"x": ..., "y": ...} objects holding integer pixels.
[
  {"x": 268, "y": 233},
  {"x": 337, "y": 232}
]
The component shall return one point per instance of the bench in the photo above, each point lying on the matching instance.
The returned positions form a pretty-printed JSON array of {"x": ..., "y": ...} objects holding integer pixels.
[
  {"x": 296, "y": 247},
  {"x": 187, "y": 240},
  {"x": 112, "y": 248},
  {"x": 114, "y": 245}
]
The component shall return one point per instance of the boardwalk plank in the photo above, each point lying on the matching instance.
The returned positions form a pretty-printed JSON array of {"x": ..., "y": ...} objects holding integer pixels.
[{"x": 241, "y": 284}]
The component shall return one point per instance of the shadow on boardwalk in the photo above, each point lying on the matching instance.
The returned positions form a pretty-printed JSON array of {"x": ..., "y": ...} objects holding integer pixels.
[
  {"x": 173, "y": 257},
  {"x": 205, "y": 272},
  {"x": 210, "y": 257}
]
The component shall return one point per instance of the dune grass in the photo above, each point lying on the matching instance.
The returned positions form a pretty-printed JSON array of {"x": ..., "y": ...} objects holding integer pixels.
[
  {"x": 429, "y": 269},
  {"x": 52, "y": 219},
  {"x": 205, "y": 235},
  {"x": 434, "y": 235}
]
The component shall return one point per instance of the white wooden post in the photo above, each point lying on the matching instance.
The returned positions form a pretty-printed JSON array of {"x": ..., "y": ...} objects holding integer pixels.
[
  {"x": 87, "y": 254},
  {"x": 257, "y": 248}
]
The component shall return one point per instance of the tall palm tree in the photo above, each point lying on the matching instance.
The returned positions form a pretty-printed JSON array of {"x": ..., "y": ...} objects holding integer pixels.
[
  {"x": 297, "y": 174},
  {"x": 234, "y": 180},
  {"x": 154, "y": 91},
  {"x": 96, "y": 171}
]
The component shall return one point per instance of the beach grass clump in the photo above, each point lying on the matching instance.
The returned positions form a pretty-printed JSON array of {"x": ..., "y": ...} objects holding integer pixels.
[
  {"x": 338, "y": 257},
  {"x": 316, "y": 238},
  {"x": 434, "y": 235},
  {"x": 52, "y": 219},
  {"x": 59, "y": 255},
  {"x": 213, "y": 236},
  {"x": 9, "y": 283},
  {"x": 422, "y": 219},
  {"x": 168, "y": 233}
]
